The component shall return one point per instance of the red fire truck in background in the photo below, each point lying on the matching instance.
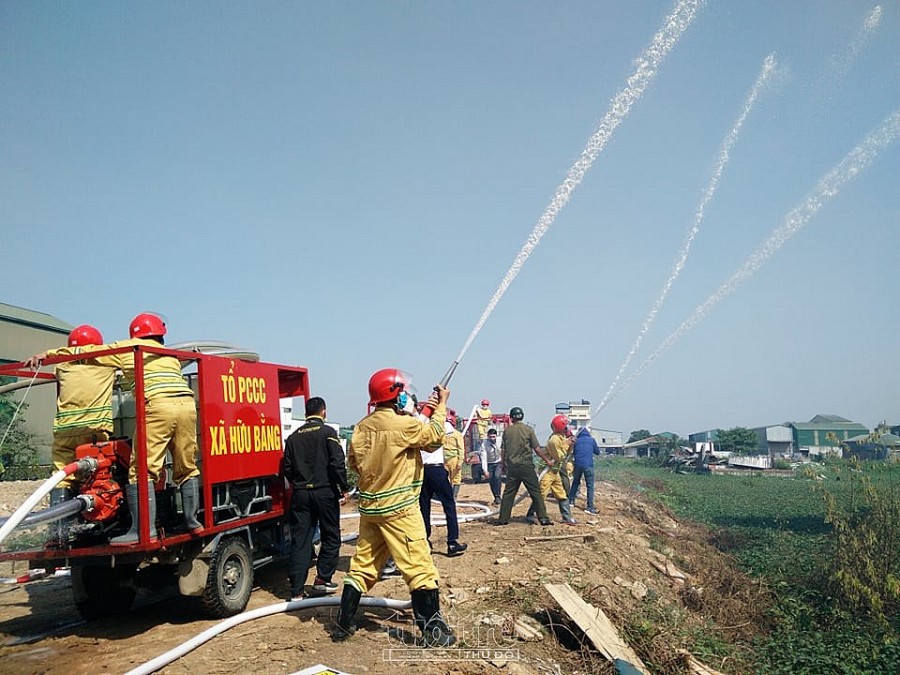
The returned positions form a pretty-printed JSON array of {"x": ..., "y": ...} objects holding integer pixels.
[{"x": 244, "y": 498}]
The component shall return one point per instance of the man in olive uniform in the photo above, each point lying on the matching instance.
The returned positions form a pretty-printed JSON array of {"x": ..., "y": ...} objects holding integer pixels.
[
  {"x": 516, "y": 447},
  {"x": 384, "y": 452}
]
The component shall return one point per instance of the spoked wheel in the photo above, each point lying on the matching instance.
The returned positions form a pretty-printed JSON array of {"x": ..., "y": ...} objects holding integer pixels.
[{"x": 230, "y": 578}]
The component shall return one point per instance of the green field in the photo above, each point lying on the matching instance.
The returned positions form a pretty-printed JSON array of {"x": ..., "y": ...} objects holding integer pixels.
[{"x": 777, "y": 529}]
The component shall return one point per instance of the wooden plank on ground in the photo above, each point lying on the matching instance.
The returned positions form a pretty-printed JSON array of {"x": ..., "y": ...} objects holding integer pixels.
[
  {"x": 552, "y": 537},
  {"x": 596, "y": 625}
]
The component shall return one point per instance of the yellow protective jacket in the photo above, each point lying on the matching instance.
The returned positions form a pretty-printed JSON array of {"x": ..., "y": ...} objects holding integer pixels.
[
  {"x": 557, "y": 448},
  {"x": 162, "y": 374},
  {"x": 454, "y": 444},
  {"x": 84, "y": 400},
  {"x": 384, "y": 452},
  {"x": 483, "y": 420}
]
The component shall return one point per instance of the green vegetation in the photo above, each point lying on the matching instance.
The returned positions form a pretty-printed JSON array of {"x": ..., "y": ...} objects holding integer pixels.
[
  {"x": 19, "y": 452},
  {"x": 827, "y": 544},
  {"x": 638, "y": 435},
  {"x": 739, "y": 441}
]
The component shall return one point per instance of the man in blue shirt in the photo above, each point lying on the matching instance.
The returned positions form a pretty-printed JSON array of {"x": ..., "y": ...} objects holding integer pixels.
[{"x": 585, "y": 449}]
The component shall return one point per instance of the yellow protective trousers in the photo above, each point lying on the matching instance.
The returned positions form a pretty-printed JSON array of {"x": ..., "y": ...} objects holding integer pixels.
[
  {"x": 454, "y": 470},
  {"x": 64, "y": 445},
  {"x": 401, "y": 536},
  {"x": 551, "y": 484},
  {"x": 172, "y": 424}
]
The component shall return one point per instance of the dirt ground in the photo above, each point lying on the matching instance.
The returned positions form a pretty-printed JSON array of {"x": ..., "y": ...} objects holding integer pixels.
[{"x": 631, "y": 557}]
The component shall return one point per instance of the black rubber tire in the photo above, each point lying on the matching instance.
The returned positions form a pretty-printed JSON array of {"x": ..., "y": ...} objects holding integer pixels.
[
  {"x": 101, "y": 591},
  {"x": 230, "y": 579}
]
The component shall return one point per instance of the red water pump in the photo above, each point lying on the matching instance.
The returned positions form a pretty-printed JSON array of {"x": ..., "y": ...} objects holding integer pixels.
[{"x": 104, "y": 492}]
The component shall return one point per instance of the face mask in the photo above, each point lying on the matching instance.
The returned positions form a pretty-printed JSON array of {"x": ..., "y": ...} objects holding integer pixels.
[{"x": 402, "y": 400}]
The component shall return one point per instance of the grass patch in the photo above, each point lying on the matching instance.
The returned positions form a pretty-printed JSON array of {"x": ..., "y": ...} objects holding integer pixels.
[{"x": 788, "y": 533}]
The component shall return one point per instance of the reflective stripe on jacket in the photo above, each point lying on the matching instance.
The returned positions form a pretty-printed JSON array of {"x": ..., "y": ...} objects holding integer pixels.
[
  {"x": 384, "y": 452},
  {"x": 85, "y": 395}
]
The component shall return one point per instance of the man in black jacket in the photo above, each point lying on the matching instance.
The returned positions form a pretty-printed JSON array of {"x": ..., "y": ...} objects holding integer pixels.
[{"x": 314, "y": 465}]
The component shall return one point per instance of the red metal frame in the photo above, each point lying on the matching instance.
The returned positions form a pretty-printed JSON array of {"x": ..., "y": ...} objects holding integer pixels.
[{"x": 248, "y": 418}]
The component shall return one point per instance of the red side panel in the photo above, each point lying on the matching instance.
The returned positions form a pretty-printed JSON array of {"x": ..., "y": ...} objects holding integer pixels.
[{"x": 240, "y": 419}]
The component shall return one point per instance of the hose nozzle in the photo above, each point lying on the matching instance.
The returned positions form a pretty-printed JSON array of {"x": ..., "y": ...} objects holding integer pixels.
[{"x": 427, "y": 410}]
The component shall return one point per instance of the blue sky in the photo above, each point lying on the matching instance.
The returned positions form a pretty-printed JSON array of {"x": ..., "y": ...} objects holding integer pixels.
[{"x": 344, "y": 185}]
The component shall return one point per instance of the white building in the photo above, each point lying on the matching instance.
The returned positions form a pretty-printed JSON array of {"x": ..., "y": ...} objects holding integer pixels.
[{"x": 579, "y": 414}]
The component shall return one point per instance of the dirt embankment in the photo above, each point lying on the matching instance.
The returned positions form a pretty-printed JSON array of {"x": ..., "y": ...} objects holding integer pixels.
[{"x": 634, "y": 559}]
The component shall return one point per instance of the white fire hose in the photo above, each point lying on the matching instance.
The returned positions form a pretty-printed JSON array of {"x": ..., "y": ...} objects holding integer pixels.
[
  {"x": 277, "y": 608},
  {"x": 210, "y": 633},
  {"x": 30, "y": 503}
]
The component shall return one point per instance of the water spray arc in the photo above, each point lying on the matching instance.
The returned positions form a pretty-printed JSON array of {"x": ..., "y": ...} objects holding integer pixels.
[
  {"x": 647, "y": 65},
  {"x": 841, "y": 63},
  {"x": 724, "y": 155},
  {"x": 828, "y": 186}
]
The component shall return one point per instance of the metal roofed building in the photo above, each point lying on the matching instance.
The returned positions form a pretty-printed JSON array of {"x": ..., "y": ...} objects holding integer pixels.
[
  {"x": 873, "y": 446},
  {"x": 23, "y": 333},
  {"x": 776, "y": 440},
  {"x": 823, "y": 434}
]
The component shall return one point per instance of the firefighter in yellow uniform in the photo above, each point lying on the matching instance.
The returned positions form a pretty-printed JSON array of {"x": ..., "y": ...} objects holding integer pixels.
[
  {"x": 83, "y": 410},
  {"x": 454, "y": 448},
  {"x": 483, "y": 416},
  {"x": 558, "y": 446},
  {"x": 171, "y": 422},
  {"x": 384, "y": 452}
]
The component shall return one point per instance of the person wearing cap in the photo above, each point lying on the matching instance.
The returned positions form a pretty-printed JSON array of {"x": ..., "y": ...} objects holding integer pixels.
[
  {"x": 83, "y": 411},
  {"x": 384, "y": 453},
  {"x": 519, "y": 441}
]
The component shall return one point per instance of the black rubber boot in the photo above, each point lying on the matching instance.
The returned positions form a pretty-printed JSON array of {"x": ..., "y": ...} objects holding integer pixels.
[
  {"x": 427, "y": 611},
  {"x": 190, "y": 502},
  {"x": 133, "y": 535},
  {"x": 346, "y": 626}
]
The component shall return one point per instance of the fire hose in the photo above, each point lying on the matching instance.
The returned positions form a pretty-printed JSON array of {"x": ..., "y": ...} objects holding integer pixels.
[
  {"x": 81, "y": 468},
  {"x": 277, "y": 608},
  {"x": 22, "y": 516},
  {"x": 66, "y": 509},
  {"x": 31, "y": 502}
]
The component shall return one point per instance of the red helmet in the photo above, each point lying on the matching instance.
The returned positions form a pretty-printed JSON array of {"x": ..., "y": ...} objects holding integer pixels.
[
  {"x": 147, "y": 325},
  {"x": 485, "y": 402},
  {"x": 559, "y": 423},
  {"x": 85, "y": 335},
  {"x": 451, "y": 416},
  {"x": 386, "y": 385}
]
